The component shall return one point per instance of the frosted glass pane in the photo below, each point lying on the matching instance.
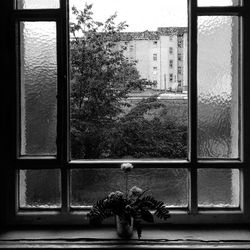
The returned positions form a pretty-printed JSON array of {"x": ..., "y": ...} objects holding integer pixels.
[
  {"x": 39, "y": 188},
  {"x": 218, "y": 2},
  {"x": 218, "y": 187},
  {"x": 38, "y": 88},
  {"x": 218, "y": 73},
  {"x": 37, "y": 4},
  {"x": 168, "y": 185}
]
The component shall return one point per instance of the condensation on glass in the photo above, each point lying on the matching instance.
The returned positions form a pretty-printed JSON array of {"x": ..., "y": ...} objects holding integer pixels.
[
  {"x": 219, "y": 2},
  {"x": 138, "y": 108},
  {"x": 218, "y": 188},
  {"x": 38, "y": 4},
  {"x": 218, "y": 87},
  {"x": 90, "y": 185},
  {"x": 38, "y": 90},
  {"x": 40, "y": 188}
]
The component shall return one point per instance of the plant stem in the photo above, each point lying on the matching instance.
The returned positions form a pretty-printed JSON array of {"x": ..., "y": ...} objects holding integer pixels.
[{"x": 126, "y": 183}]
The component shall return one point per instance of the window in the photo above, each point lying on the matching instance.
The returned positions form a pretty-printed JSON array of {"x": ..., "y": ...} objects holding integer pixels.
[
  {"x": 171, "y": 64},
  {"x": 154, "y": 57},
  {"x": 170, "y": 50},
  {"x": 131, "y": 48},
  {"x": 30, "y": 160},
  {"x": 179, "y": 56},
  {"x": 155, "y": 43},
  {"x": 171, "y": 77},
  {"x": 154, "y": 70},
  {"x": 170, "y": 38},
  {"x": 179, "y": 70},
  {"x": 180, "y": 43}
]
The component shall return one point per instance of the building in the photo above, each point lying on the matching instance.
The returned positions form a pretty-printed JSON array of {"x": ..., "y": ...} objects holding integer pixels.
[{"x": 161, "y": 56}]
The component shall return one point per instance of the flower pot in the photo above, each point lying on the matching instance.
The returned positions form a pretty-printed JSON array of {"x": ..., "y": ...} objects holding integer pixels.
[{"x": 123, "y": 227}]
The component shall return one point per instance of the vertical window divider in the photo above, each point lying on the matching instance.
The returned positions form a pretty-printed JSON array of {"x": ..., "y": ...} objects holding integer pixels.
[
  {"x": 63, "y": 105},
  {"x": 192, "y": 97}
]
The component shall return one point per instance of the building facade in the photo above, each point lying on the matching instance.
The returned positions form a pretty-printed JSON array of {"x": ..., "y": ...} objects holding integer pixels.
[{"x": 161, "y": 56}]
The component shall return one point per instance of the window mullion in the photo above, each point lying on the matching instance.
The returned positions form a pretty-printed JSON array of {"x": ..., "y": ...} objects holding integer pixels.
[
  {"x": 63, "y": 105},
  {"x": 193, "y": 105}
]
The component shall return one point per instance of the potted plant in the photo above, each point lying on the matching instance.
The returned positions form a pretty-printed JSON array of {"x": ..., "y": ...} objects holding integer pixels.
[{"x": 129, "y": 208}]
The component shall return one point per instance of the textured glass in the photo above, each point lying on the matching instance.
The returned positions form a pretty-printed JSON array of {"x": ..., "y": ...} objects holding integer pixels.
[
  {"x": 218, "y": 2},
  {"x": 38, "y": 88},
  {"x": 168, "y": 185},
  {"x": 218, "y": 101},
  {"x": 39, "y": 188},
  {"x": 218, "y": 187},
  {"x": 38, "y": 4}
]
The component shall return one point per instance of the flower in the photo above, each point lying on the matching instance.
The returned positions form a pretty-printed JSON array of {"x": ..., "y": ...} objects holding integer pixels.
[
  {"x": 126, "y": 167},
  {"x": 115, "y": 195},
  {"x": 135, "y": 191}
]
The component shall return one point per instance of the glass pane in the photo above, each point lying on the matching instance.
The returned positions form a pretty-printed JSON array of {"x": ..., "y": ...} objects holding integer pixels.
[
  {"x": 129, "y": 94},
  {"x": 219, "y": 2},
  {"x": 38, "y": 88},
  {"x": 218, "y": 187},
  {"x": 38, "y": 4},
  {"x": 218, "y": 83},
  {"x": 91, "y": 185},
  {"x": 40, "y": 188}
]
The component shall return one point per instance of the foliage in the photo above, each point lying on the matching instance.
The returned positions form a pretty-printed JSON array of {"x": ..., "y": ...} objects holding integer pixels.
[
  {"x": 101, "y": 80},
  {"x": 136, "y": 206}
]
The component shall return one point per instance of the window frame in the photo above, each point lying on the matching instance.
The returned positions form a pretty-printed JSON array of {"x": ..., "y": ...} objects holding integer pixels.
[{"x": 11, "y": 214}]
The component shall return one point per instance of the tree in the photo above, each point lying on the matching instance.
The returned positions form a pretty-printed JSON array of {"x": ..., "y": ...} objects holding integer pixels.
[{"x": 101, "y": 79}]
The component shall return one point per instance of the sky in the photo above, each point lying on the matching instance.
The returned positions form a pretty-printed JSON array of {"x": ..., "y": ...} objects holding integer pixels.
[
  {"x": 143, "y": 15},
  {"x": 140, "y": 15}
]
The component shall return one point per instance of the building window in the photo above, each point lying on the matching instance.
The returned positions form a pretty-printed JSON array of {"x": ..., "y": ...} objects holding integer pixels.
[
  {"x": 170, "y": 77},
  {"x": 155, "y": 43},
  {"x": 154, "y": 70},
  {"x": 154, "y": 57},
  {"x": 170, "y": 38},
  {"x": 171, "y": 63},
  {"x": 180, "y": 43},
  {"x": 179, "y": 57},
  {"x": 170, "y": 50},
  {"x": 179, "y": 70},
  {"x": 131, "y": 48},
  {"x": 43, "y": 105}
]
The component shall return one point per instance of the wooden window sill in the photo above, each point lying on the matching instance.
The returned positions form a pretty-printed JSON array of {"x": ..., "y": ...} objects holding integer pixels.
[{"x": 186, "y": 238}]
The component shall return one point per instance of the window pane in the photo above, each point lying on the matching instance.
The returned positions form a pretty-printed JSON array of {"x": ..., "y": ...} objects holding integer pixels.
[
  {"x": 38, "y": 88},
  {"x": 218, "y": 87},
  {"x": 126, "y": 101},
  {"x": 219, "y": 2},
  {"x": 37, "y": 4},
  {"x": 168, "y": 185},
  {"x": 39, "y": 188},
  {"x": 218, "y": 187}
]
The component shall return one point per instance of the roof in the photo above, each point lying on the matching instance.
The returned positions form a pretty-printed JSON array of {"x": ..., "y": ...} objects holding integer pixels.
[{"x": 152, "y": 35}]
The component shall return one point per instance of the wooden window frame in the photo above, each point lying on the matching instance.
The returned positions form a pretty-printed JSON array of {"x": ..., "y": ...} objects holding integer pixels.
[{"x": 12, "y": 162}]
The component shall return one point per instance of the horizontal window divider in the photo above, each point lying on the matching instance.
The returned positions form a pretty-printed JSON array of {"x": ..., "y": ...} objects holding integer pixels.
[
  {"x": 220, "y": 210},
  {"x": 37, "y": 15},
  {"x": 38, "y": 212},
  {"x": 39, "y": 209},
  {"x": 220, "y": 164},
  {"x": 40, "y": 157},
  {"x": 87, "y": 209},
  {"x": 37, "y": 164},
  {"x": 141, "y": 164},
  {"x": 220, "y": 11}
]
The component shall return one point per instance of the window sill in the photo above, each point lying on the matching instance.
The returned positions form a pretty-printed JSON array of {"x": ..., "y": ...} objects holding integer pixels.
[{"x": 180, "y": 238}]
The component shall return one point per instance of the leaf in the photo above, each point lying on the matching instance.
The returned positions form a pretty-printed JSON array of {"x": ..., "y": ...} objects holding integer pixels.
[{"x": 147, "y": 216}]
